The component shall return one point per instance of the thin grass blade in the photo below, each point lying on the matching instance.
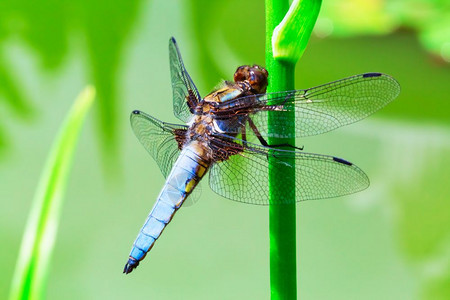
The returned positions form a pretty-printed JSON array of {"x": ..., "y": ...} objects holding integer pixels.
[{"x": 29, "y": 279}]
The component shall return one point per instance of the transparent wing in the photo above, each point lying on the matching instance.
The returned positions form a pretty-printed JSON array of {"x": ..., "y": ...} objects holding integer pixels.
[
  {"x": 244, "y": 177},
  {"x": 162, "y": 140},
  {"x": 317, "y": 110},
  {"x": 184, "y": 90}
]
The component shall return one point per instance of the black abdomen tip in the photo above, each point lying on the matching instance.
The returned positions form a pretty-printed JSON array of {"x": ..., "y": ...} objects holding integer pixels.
[{"x": 130, "y": 265}]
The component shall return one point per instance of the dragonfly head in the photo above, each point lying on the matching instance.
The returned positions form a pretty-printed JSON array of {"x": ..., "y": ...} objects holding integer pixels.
[{"x": 255, "y": 75}]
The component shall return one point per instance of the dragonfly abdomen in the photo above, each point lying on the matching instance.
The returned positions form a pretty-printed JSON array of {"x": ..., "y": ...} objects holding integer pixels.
[{"x": 185, "y": 175}]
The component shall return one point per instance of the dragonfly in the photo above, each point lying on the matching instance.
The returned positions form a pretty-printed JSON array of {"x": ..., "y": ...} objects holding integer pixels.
[{"x": 226, "y": 133}]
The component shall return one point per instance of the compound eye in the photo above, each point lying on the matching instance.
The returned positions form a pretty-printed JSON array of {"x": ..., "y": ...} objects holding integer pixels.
[
  {"x": 252, "y": 77},
  {"x": 241, "y": 73}
]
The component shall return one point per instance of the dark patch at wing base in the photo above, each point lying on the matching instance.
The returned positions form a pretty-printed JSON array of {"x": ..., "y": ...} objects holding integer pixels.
[{"x": 163, "y": 141}]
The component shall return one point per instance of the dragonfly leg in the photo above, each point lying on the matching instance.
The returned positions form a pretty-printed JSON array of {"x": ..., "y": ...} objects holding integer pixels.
[
  {"x": 243, "y": 133},
  {"x": 264, "y": 142}
]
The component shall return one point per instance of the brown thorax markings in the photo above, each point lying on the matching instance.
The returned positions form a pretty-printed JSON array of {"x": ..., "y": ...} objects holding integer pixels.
[{"x": 248, "y": 80}]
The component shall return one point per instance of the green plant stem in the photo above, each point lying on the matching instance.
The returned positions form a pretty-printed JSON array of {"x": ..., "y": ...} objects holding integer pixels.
[{"x": 282, "y": 219}]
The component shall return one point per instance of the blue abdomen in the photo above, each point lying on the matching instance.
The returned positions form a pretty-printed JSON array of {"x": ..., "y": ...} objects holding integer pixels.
[{"x": 185, "y": 175}]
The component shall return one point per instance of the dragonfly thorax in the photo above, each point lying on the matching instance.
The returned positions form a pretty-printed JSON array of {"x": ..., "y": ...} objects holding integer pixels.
[{"x": 200, "y": 129}]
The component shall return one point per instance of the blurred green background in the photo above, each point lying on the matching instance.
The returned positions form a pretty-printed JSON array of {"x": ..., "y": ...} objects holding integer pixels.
[{"x": 391, "y": 241}]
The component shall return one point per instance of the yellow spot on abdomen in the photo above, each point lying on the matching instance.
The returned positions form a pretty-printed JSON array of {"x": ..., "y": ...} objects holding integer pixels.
[{"x": 190, "y": 185}]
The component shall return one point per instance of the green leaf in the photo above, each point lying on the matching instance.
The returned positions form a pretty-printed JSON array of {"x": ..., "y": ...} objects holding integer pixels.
[
  {"x": 291, "y": 36},
  {"x": 40, "y": 232}
]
